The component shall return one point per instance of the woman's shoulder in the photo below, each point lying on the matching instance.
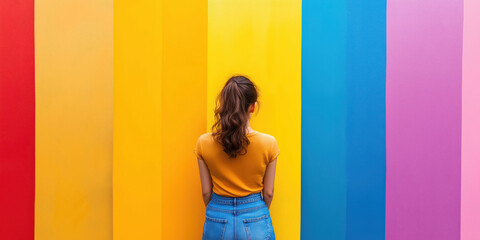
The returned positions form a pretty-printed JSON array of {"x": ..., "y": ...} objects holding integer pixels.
[
  {"x": 205, "y": 137},
  {"x": 205, "y": 134},
  {"x": 266, "y": 137}
]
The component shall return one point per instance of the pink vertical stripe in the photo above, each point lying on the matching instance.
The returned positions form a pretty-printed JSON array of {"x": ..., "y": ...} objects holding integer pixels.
[
  {"x": 471, "y": 122},
  {"x": 423, "y": 114}
]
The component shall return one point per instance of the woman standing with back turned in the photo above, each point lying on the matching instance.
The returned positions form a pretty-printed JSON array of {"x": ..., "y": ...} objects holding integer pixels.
[{"x": 237, "y": 168}]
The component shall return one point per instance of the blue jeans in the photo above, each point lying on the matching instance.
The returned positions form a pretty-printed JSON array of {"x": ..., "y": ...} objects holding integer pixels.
[{"x": 237, "y": 218}]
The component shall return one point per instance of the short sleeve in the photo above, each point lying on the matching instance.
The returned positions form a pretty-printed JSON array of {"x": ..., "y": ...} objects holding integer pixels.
[
  {"x": 274, "y": 151},
  {"x": 198, "y": 149}
]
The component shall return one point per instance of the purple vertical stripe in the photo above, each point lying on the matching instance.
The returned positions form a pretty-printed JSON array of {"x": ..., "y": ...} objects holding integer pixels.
[{"x": 423, "y": 116}]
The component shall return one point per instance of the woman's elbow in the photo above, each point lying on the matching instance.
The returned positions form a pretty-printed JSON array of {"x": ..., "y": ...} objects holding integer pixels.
[
  {"x": 268, "y": 193},
  {"x": 207, "y": 194}
]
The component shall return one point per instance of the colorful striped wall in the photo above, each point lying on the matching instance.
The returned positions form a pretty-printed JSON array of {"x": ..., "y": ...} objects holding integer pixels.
[{"x": 374, "y": 104}]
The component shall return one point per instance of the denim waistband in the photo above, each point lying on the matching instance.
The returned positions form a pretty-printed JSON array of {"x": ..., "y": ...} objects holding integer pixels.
[{"x": 224, "y": 200}]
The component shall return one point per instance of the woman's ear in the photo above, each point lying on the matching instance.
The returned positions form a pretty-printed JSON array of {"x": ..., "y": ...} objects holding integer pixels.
[{"x": 252, "y": 108}]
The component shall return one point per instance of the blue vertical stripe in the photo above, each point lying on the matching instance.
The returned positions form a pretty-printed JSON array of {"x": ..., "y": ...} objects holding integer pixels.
[
  {"x": 343, "y": 119},
  {"x": 365, "y": 125},
  {"x": 324, "y": 185}
]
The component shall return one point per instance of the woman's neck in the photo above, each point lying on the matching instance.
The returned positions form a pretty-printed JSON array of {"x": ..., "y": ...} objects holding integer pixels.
[{"x": 249, "y": 129}]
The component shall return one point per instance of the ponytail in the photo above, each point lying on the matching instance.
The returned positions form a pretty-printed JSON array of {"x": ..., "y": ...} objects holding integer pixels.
[{"x": 232, "y": 116}]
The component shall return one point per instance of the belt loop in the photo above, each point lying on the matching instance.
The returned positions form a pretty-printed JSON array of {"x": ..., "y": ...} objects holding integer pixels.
[{"x": 234, "y": 205}]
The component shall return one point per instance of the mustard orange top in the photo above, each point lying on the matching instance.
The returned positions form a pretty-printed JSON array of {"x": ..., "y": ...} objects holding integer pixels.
[{"x": 240, "y": 176}]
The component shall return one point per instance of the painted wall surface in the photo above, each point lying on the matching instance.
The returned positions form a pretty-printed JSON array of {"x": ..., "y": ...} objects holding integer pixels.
[
  {"x": 17, "y": 120},
  {"x": 184, "y": 101},
  {"x": 324, "y": 116},
  {"x": 470, "y": 209},
  {"x": 343, "y": 119},
  {"x": 262, "y": 40},
  {"x": 423, "y": 111},
  {"x": 74, "y": 119},
  {"x": 374, "y": 104},
  {"x": 365, "y": 119},
  {"x": 137, "y": 138},
  {"x": 156, "y": 56}
]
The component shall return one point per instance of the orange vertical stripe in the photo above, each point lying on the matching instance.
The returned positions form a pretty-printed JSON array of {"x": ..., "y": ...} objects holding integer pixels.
[
  {"x": 184, "y": 79},
  {"x": 137, "y": 170},
  {"x": 74, "y": 119}
]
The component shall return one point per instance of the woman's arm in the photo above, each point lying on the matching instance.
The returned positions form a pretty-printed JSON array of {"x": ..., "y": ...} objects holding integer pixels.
[
  {"x": 268, "y": 182},
  {"x": 206, "y": 181}
]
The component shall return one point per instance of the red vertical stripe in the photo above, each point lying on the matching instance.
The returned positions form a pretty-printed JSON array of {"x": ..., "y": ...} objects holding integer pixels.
[{"x": 17, "y": 119}]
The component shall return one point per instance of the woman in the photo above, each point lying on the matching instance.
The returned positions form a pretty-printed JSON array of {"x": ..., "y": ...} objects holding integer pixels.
[{"x": 237, "y": 168}]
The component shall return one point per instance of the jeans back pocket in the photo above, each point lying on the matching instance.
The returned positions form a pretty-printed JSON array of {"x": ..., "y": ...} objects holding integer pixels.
[
  {"x": 258, "y": 228},
  {"x": 214, "y": 228}
]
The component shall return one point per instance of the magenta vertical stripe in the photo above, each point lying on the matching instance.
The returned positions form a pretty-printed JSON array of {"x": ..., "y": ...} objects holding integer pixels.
[
  {"x": 423, "y": 119},
  {"x": 471, "y": 122}
]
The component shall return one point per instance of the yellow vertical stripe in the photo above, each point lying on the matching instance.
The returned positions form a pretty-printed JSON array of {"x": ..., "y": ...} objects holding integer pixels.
[
  {"x": 262, "y": 39},
  {"x": 184, "y": 87},
  {"x": 137, "y": 167},
  {"x": 74, "y": 119}
]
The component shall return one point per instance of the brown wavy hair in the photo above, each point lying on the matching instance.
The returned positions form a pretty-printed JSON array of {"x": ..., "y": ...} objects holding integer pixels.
[{"x": 232, "y": 115}]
